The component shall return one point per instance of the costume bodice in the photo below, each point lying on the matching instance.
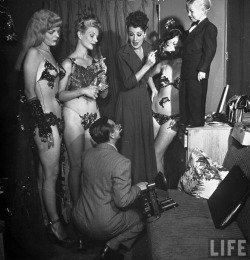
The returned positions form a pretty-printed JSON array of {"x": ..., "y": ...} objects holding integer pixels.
[
  {"x": 164, "y": 82},
  {"x": 50, "y": 72},
  {"x": 82, "y": 77}
]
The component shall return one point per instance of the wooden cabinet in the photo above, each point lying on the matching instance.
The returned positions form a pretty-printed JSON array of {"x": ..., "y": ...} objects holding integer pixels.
[{"x": 212, "y": 140}]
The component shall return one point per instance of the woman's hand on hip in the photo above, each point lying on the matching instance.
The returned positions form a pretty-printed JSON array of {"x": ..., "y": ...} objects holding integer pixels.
[{"x": 154, "y": 93}]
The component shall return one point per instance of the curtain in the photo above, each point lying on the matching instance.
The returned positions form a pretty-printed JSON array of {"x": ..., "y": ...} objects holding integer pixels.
[
  {"x": 112, "y": 15},
  {"x": 238, "y": 67}
]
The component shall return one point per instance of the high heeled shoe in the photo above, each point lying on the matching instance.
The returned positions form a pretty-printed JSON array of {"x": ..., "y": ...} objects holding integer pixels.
[
  {"x": 58, "y": 235},
  {"x": 161, "y": 181}
]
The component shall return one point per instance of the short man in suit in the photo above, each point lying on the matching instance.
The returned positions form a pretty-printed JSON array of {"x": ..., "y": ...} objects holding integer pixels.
[
  {"x": 106, "y": 192},
  {"x": 199, "y": 49}
]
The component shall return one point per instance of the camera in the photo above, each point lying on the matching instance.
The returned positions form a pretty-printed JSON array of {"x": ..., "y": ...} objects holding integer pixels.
[{"x": 149, "y": 204}]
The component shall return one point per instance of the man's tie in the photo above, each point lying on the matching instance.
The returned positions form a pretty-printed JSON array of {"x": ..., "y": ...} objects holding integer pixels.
[{"x": 194, "y": 23}]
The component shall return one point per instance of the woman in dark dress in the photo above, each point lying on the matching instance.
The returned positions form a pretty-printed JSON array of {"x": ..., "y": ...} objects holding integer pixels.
[{"x": 133, "y": 109}]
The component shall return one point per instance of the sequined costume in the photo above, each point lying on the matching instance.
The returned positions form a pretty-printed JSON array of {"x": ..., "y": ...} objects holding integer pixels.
[
  {"x": 48, "y": 74},
  {"x": 162, "y": 119},
  {"x": 165, "y": 82},
  {"x": 46, "y": 90},
  {"x": 46, "y": 93},
  {"x": 52, "y": 120},
  {"x": 82, "y": 77},
  {"x": 164, "y": 101}
]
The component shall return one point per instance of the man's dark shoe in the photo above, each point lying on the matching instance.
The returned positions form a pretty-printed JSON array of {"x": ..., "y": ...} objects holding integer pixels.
[{"x": 109, "y": 254}]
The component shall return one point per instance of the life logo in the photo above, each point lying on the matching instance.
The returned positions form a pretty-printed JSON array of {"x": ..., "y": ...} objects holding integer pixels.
[{"x": 228, "y": 248}]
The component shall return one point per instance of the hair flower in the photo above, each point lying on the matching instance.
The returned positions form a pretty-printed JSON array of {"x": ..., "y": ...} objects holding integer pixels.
[{"x": 169, "y": 23}]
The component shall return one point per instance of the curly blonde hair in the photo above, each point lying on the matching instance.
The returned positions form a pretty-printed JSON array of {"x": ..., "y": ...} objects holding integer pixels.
[
  {"x": 85, "y": 21},
  {"x": 41, "y": 22}
]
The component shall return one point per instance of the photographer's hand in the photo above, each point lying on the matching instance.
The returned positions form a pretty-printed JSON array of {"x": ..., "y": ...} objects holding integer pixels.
[{"x": 142, "y": 185}]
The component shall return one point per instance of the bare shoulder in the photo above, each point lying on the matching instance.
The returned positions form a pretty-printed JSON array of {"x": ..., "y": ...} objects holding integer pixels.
[
  {"x": 33, "y": 54},
  {"x": 67, "y": 64},
  {"x": 32, "y": 58},
  {"x": 167, "y": 66},
  {"x": 164, "y": 62}
]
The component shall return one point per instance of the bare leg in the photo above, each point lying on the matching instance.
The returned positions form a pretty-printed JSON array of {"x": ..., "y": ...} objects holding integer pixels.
[
  {"x": 49, "y": 159},
  {"x": 74, "y": 137},
  {"x": 77, "y": 141},
  {"x": 163, "y": 139},
  {"x": 156, "y": 127},
  {"x": 40, "y": 180},
  {"x": 88, "y": 141}
]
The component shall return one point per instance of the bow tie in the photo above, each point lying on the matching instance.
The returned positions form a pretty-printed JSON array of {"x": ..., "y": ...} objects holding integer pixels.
[{"x": 194, "y": 23}]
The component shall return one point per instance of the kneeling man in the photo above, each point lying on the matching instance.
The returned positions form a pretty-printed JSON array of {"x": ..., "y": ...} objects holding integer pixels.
[{"x": 106, "y": 192}]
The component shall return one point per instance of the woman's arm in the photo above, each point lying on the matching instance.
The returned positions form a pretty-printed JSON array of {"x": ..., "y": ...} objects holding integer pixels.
[
  {"x": 156, "y": 69},
  {"x": 149, "y": 63},
  {"x": 129, "y": 78},
  {"x": 151, "y": 84},
  {"x": 31, "y": 64},
  {"x": 65, "y": 95}
]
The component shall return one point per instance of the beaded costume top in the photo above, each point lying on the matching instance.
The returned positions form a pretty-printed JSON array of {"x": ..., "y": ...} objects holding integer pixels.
[
  {"x": 82, "y": 77},
  {"x": 165, "y": 82},
  {"x": 50, "y": 73}
]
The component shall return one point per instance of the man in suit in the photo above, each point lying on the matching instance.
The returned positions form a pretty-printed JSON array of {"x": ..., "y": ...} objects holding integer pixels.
[
  {"x": 199, "y": 49},
  {"x": 106, "y": 193}
]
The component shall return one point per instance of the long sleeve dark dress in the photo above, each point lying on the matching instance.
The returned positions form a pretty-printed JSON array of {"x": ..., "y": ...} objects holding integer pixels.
[{"x": 133, "y": 111}]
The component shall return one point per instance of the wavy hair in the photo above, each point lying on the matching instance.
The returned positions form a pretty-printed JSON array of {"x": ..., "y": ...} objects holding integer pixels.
[
  {"x": 137, "y": 19},
  {"x": 41, "y": 22},
  {"x": 100, "y": 130},
  {"x": 85, "y": 21},
  {"x": 172, "y": 30}
]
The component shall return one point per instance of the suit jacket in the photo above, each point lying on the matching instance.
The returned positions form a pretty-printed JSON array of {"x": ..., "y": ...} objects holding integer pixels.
[
  {"x": 105, "y": 189},
  {"x": 199, "y": 49}
]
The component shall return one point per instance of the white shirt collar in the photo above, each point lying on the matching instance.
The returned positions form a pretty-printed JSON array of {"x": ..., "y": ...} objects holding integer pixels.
[
  {"x": 191, "y": 28},
  {"x": 113, "y": 146}
]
